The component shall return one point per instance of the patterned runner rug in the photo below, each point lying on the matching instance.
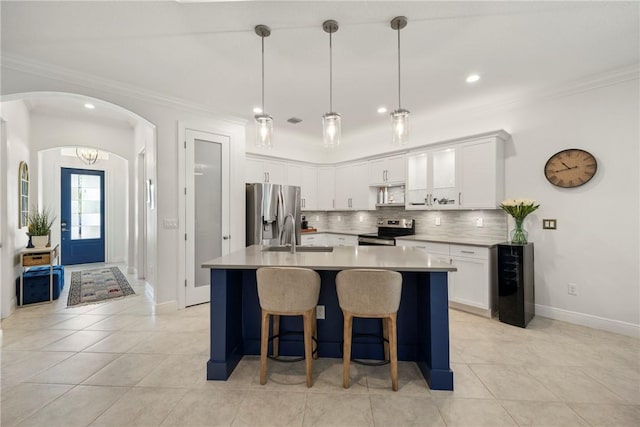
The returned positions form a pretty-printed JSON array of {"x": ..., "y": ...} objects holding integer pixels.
[{"x": 97, "y": 285}]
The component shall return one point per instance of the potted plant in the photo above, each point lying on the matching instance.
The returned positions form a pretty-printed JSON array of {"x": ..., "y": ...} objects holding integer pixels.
[{"x": 40, "y": 222}]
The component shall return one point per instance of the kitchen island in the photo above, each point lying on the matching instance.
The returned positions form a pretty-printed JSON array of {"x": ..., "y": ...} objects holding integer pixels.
[{"x": 423, "y": 318}]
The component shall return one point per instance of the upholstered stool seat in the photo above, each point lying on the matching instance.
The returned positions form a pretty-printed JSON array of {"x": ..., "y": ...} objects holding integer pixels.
[
  {"x": 370, "y": 293},
  {"x": 287, "y": 291}
]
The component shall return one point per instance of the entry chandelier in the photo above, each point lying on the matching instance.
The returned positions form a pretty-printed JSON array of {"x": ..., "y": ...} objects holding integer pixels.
[
  {"x": 399, "y": 117},
  {"x": 264, "y": 122},
  {"x": 331, "y": 121},
  {"x": 87, "y": 155}
]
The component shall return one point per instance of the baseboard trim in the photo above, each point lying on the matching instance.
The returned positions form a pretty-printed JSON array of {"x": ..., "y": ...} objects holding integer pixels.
[
  {"x": 169, "y": 305},
  {"x": 148, "y": 290},
  {"x": 595, "y": 322}
]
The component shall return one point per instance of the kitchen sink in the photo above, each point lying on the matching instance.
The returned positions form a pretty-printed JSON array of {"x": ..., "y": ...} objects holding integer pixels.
[{"x": 299, "y": 249}]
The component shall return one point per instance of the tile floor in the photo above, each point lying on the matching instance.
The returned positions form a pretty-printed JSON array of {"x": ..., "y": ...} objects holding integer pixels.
[{"x": 126, "y": 363}]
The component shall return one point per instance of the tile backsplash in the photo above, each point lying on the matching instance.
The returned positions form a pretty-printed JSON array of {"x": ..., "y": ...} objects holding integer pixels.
[{"x": 452, "y": 223}]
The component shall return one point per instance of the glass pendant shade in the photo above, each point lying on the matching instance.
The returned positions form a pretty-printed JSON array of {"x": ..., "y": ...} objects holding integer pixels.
[
  {"x": 400, "y": 126},
  {"x": 87, "y": 155},
  {"x": 264, "y": 130},
  {"x": 331, "y": 129}
]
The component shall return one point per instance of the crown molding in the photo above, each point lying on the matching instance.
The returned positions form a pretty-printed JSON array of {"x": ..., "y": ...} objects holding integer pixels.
[
  {"x": 25, "y": 65},
  {"x": 66, "y": 75}
]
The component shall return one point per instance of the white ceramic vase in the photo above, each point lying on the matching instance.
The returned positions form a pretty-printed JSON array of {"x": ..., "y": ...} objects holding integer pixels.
[{"x": 40, "y": 241}]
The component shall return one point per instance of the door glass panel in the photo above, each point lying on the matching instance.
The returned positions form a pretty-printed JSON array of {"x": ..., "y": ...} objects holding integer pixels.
[
  {"x": 208, "y": 206},
  {"x": 86, "y": 198}
]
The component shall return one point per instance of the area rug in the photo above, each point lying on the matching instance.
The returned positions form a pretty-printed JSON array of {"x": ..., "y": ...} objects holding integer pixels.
[{"x": 97, "y": 285}]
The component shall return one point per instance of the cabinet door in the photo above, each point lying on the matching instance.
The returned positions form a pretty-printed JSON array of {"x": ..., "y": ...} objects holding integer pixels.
[
  {"x": 482, "y": 176},
  {"x": 470, "y": 284},
  {"x": 304, "y": 177},
  {"x": 309, "y": 187},
  {"x": 416, "y": 189},
  {"x": 377, "y": 172},
  {"x": 444, "y": 179},
  {"x": 361, "y": 195},
  {"x": 343, "y": 188},
  {"x": 276, "y": 172},
  {"x": 254, "y": 171},
  {"x": 396, "y": 170},
  {"x": 326, "y": 188}
]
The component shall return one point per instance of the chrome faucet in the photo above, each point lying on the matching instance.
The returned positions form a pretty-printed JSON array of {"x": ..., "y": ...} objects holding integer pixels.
[{"x": 293, "y": 231}]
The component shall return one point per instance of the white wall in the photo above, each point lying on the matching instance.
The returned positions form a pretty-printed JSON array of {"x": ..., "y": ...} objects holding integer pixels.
[
  {"x": 162, "y": 167},
  {"x": 14, "y": 239},
  {"x": 596, "y": 244},
  {"x": 116, "y": 196}
]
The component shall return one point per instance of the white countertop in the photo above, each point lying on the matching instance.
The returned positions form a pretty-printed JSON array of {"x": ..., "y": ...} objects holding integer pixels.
[
  {"x": 486, "y": 242},
  {"x": 342, "y": 258}
]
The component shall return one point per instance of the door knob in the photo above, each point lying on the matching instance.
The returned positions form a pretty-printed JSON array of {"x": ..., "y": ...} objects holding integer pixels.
[{"x": 226, "y": 237}]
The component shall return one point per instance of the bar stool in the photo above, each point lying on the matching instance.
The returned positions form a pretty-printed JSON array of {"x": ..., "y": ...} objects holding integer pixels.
[
  {"x": 287, "y": 291},
  {"x": 373, "y": 294}
]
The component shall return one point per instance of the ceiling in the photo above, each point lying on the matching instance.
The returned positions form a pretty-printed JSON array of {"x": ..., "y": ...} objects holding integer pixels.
[{"x": 207, "y": 53}]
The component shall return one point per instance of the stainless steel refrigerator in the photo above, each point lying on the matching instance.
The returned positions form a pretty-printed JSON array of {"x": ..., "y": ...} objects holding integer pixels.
[{"x": 268, "y": 205}]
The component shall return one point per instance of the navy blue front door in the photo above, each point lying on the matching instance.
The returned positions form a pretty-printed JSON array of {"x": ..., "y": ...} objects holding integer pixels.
[{"x": 82, "y": 216}]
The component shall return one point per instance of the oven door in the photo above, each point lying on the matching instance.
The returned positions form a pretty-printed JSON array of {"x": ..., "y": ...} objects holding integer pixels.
[{"x": 376, "y": 241}]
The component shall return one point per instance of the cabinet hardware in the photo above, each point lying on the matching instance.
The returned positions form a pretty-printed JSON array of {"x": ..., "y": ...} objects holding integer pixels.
[
  {"x": 459, "y": 198},
  {"x": 227, "y": 237},
  {"x": 468, "y": 252}
]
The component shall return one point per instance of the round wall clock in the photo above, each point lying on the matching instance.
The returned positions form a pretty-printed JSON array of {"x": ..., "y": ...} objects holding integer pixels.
[{"x": 570, "y": 168}]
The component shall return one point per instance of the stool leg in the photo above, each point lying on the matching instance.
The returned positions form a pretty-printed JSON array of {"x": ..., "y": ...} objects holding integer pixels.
[
  {"x": 264, "y": 340},
  {"x": 385, "y": 336},
  {"x": 346, "y": 353},
  {"x": 308, "y": 348},
  {"x": 276, "y": 331},
  {"x": 315, "y": 332},
  {"x": 393, "y": 349}
]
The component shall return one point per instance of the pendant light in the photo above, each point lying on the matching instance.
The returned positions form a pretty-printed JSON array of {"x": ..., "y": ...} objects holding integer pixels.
[
  {"x": 399, "y": 117},
  {"x": 87, "y": 155},
  {"x": 331, "y": 121},
  {"x": 264, "y": 122}
]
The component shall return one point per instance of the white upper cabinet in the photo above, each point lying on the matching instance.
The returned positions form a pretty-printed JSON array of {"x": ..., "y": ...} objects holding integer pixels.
[
  {"x": 259, "y": 170},
  {"x": 326, "y": 188},
  {"x": 433, "y": 179},
  {"x": 464, "y": 175},
  {"x": 352, "y": 187},
  {"x": 482, "y": 174},
  {"x": 387, "y": 171},
  {"x": 305, "y": 177}
]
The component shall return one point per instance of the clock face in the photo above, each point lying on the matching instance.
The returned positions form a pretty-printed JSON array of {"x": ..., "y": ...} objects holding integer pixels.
[{"x": 570, "y": 168}]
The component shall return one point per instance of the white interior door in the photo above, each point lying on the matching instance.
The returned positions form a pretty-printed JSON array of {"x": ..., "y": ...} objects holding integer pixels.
[{"x": 207, "y": 208}]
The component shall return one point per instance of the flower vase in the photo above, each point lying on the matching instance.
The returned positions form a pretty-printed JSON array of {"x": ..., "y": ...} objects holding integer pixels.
[{"x": 519, "y": 234}]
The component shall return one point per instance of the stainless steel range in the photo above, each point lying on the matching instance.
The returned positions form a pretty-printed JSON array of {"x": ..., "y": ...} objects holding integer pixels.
[{"x": 388, "y": 230}]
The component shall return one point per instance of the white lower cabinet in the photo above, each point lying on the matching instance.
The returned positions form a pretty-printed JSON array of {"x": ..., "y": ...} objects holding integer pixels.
[
  {"x": 329, "y": 239},
  {"x": 473, "y": 287},
  {"x": 315, "y": 239},
  {"x": 341, "y": 240}
]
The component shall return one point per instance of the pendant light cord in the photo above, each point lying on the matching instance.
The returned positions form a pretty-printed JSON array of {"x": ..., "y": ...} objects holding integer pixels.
[
  {"x": 331, "y": 72},
  {"x": 399, "y": 96},
  {"x": 262, "y": 37}
]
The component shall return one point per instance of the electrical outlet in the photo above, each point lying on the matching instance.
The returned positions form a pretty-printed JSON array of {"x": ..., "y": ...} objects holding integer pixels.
[
  {"x": 361, "y": 218},
  {"x": 319, "y": 312},
  {"x": 437, "y": 220},
  {"x": 317, "y": 217},
  {"x": 339, "y": 218},
  {"x": 479, "y": 222},
  {"x": 572, "y": 289}
]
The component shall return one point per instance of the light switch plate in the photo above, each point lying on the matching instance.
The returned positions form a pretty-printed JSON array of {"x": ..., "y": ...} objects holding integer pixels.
[
  {"x": 437, "y": 220},
  {"x": 548, "y": 224},
  {"x": 170, "y": 224}
]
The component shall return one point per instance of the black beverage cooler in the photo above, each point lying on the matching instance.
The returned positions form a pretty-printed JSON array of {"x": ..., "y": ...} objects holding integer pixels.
[{"x": 516, "y": 296}]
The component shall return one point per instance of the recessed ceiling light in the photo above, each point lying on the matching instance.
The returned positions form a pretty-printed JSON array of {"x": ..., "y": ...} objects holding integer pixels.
[
  {"x": 382, "y": 110},
  {"x": 472, "y": 78},
  {"x": 89, "y": 106},
  {"x": 257, "y": 110}
]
